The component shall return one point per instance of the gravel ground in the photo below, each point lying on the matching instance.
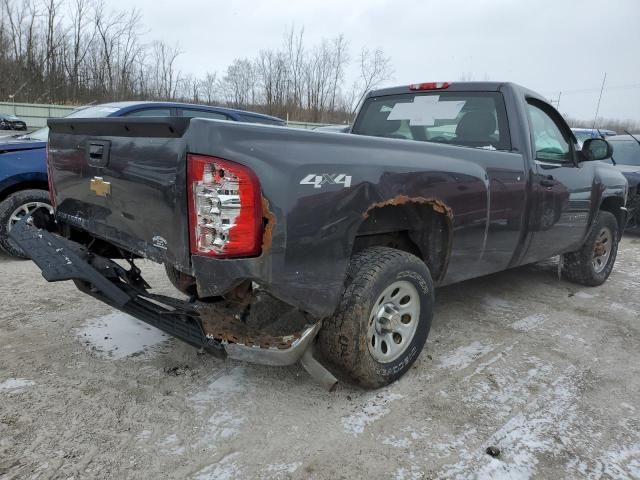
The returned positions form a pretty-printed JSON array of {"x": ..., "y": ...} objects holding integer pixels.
[{"x": 543, "y": 370}]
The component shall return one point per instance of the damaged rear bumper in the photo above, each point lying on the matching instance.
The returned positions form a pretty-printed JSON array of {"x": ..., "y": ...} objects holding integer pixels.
[{"x": 219, "y": 329}]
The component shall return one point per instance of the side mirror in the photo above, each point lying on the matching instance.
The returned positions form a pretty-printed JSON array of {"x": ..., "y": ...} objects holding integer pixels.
[{"x": 596, "y": 149}]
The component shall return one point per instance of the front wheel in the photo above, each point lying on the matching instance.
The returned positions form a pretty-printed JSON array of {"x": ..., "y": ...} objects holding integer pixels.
[
  {"x": 383, "y": 319},
  {"x": 593, "y": 263}
]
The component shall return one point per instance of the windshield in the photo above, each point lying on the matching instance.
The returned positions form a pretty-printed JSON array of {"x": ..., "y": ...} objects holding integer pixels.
[
  {"x": 41, "y": 134},
  {"x": 471, "y": 119},
  {"x": 626, "y": 152}
]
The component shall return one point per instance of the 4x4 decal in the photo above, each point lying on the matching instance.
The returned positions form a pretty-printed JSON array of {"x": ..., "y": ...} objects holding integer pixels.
[{"x": 320, "y": 179}]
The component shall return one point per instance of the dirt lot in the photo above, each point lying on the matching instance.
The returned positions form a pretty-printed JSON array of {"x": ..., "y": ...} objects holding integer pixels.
[{"x": 544, "y": 370}]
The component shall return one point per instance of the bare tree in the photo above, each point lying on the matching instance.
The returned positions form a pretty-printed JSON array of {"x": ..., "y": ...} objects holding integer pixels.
[
  {"x": 75, "y": 51},
  {"x": 340, "y": 59},
  {"x": 239, "y": 83},
  {"x": 166, "y": 75},
  {"x": 209, "y": 87},
  {"x": 295, "y": 53},
  {"x": 375, "y": 68},
  {"x": 81, "y": 41}
]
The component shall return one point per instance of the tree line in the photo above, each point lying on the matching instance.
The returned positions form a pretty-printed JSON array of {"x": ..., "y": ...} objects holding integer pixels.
[{"x": 81, "y": 51}]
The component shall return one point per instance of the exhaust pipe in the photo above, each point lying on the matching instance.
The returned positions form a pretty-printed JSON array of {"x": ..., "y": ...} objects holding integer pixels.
[{"x": 317, "y": 371}]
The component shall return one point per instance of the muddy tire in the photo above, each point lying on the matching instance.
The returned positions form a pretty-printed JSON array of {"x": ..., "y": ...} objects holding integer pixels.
[
  {"x": 383, "y": 319},
  {"x": 593, "y": 263},
  {"x": 14, "y": 207},
  {"x": 183, "y": 282}
]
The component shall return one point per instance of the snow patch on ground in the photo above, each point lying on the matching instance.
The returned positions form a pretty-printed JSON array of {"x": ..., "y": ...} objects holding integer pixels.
[
  {"x": 506, "y": 388},
  {"x": 621, "y": 463},
  {"x": 462, "y": 357},
  {"x": 448, "y": 445},
  {"x": 118, "y": 335},
  {"x": 373, "y": 409},
  {"x": 397, "y": 442},
  {"x": 582, "y": 294},
  {"x": 622, "y": 308},
  {"x": 225, "y": 469},
  {"x": 530, "y": 323},
  {"x": 170, "y": 445},
  {"x": 412, "y": 473},
  {"x": 222, "y": 426},
  {"x": 523, "y": 438},
  {"x": 498, "y": 304},
  {"x": 16, "y": 385},
  {"x": 217, "y": 404},
  {"x": 282, "y": 470},
  {"x": 226, "y": 384}
]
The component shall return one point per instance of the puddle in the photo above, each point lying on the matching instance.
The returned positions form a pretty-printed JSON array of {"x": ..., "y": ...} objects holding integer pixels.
[{"x": 118, "y": 335}]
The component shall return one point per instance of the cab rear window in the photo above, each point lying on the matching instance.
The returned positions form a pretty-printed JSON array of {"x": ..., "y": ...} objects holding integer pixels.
[{"x": 471, "y": 119}]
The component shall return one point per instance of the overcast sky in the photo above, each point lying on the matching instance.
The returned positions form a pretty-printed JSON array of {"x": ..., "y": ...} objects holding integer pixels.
[{"x": 549, "y": 46}]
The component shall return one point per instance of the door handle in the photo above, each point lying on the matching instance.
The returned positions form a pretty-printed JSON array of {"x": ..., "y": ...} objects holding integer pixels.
[{"x": 547, "y": 181}]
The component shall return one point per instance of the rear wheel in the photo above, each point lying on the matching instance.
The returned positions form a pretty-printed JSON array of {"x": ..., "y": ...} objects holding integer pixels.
[
  {"x": 13, "y": 209},
  {"x": 383, "y": 319},
  {"x": 593, "y": 263}
]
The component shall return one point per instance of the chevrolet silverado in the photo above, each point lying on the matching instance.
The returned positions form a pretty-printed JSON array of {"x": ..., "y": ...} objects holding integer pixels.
[{"x": 324, "y": 248}]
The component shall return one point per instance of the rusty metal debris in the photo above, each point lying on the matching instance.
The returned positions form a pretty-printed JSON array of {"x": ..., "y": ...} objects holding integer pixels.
[{"x": 228, "y": 323}]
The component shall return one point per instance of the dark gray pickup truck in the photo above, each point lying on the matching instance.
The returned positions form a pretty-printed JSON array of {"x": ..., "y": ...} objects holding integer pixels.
[{"x": 319, "y": 247}]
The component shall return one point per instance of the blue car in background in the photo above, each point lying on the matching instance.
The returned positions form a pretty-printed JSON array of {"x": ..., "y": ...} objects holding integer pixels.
[{"x": 23, "y": 170}]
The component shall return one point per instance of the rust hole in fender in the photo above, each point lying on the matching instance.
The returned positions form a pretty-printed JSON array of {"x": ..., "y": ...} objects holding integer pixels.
[{"x": 437, "y": 205}]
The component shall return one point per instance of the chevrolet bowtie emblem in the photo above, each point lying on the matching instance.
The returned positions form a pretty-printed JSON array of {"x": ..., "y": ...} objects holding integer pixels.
[{"x": 100, "y": 187}]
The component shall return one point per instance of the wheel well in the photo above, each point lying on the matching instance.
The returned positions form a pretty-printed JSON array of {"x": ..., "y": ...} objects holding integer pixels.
[
  {"x": 417, "y": 228},
  {"x": 613, "y": 205},
  {"x": 40, "y": 185}
]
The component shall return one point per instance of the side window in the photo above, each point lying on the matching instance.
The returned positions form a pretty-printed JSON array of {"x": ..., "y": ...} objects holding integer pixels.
[
  {"x": 202, "y": 114},
  {"x": 548, "y": 139},
  {"x": 150, "y": 112}
]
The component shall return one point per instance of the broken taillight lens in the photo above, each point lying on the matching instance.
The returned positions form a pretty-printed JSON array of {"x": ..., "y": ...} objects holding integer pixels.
[{"x": 224, "y": 208}]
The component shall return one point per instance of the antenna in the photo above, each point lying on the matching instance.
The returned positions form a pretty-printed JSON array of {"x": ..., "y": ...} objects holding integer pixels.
[
  {"x": 629, "y": 133},
  {"x": 558, "y": 105},
  {"x": 599, "y": 98}
]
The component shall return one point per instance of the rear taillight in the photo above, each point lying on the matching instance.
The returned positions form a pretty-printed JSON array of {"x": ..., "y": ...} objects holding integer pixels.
[
  {"x": 52, "y": 193},
  {"x": 429, "y": 86},
  {"x": 225, "y": 209}
]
